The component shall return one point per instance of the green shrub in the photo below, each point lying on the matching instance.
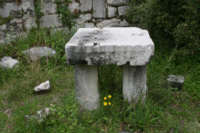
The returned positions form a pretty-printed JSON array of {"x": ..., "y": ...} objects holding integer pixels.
[
  {"x": 64, "y": 13},
  {"x": 173, "y": 23}
]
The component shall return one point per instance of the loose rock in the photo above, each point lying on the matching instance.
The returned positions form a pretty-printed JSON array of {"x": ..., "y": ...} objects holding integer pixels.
[
  {"x": 175, "y": 81},
  {"x": 45, "y": 86},
  {"x": 8, "y": 62},
  {"x": 36, "y": 53}
]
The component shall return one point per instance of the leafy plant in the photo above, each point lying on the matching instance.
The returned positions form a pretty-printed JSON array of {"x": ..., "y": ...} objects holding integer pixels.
[{"x": 64, "y": 13}]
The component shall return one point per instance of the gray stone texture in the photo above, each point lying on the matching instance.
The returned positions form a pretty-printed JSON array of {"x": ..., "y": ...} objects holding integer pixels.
[
  {"x": 50, "y": 21},
  {"x": 85, "y": 5},
  {"x": 111, "y": 11},
  {"x": 74, "y": 6},
  {"x": 117, "y": 2},
  {"x": 36, "y": 53},
  {"x": 134, "y": 83},
  {"x": 48, "y": 8},
  {"x": 122, "y": 10},
  {"x": 84, "y": 18},
  {"x": 99, "y": 8},
  {"x": 175, "y": 81},
  {"x": 8, "y": 62},
  {"x": 120, "y": 46},
  {"x": 7, "y": 9},
  {"x": 86, "y": 86}
]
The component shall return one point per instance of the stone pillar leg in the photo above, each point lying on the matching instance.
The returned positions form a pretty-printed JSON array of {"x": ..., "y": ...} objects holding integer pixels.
[
  {"x": 86, "y": 86},
  {"x": 134, "y": 83}
]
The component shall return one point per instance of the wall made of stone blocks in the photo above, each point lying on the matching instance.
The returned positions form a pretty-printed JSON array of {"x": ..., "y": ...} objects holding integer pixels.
[{"x": 17, "y": 18}]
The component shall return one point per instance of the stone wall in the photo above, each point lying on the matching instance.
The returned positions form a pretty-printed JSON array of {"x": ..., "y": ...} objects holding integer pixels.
[{"x": 18, "y": 16}]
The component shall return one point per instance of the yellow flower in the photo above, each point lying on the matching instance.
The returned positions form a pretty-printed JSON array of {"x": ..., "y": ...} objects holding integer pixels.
[
  {"x": 105, "y": 98},
  {"x": 110, "y": 96},
  {"x": 109, "y": 103},
  {"x": 105, "y": 103}
]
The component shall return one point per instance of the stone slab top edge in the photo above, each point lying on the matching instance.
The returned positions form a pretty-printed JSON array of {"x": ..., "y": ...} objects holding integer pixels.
[{"x": 116, "y": 45}]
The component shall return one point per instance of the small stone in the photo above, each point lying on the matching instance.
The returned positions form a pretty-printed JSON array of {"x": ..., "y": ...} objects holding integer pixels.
[
  {"x": 8, "y": 62},
  {"x": 89, "y": 25},
  {"x": 109, "y": 23},
  {"x": 36, "y": 53},
  {"x": 175, "y": 81},
  {"x": 122, "y": 10},
  {"x": 86, "y": 5},
  {"x": 124, "y": 23},
  {"x": 45, "y": 86},
  {"x": 111, "y": 11},
  {"x": 84, "y": 18},
  {"x": 117, "y": 2}
]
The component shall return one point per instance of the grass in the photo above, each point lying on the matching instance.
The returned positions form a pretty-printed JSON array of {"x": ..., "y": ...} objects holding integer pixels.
[{"x": 165, "y": 110}]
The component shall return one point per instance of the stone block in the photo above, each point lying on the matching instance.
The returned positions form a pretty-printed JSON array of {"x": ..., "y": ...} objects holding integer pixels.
[
  {"x": 122, "y": 10},
  {"x": 85, "y": 5},
  {"x": 99, "y": 8},
  {"x": 84, "y": 18},
  {"x": 7, "y": 8},
  {"x": 120, "y": 46},
  {"x": 30, "y": 23},
  {"x": 111, "y": 11},
  {"x": 48, "y": 8},
  {"x": 50, "y": 21},
  {"x": 117, "y": 2},
  {"x": 86, "y": 86},
  {"x": 109, "y": 23},
  {"x": 175, "y": 81}
]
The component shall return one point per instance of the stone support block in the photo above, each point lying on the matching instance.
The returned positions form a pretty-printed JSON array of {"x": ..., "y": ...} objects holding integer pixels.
[
  {"x": 86, "y": 86},
  {"x": 134, "y": 83}
]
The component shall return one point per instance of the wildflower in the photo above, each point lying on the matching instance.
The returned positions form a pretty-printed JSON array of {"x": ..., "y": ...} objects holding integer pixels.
[
  {"x": 109, "y": 103},
  {"x": 105, "y": 103},
  {"x": 110, "y": 96},
  {"x": 105, "y": 98}
]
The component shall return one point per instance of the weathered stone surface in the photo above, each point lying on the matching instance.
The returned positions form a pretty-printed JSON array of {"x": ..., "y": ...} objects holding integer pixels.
[
  {"x": 45, "y": 86},
  {"x": 109, "y": 23},
  {"x": 3, "y": 27},
  {"x": 74, "y": 6},
  {"x": 36, "y": 53},
  {"x": 117, "y": 2},
  {"x": 134, "y": 83},
  {"x": 30, "y": 23},
  {"x": 118, "y": 46},
  {"x": 7, "y": 8},
  {"x": 26, "y": 5},
  {"x": 8, "y": 62},
  {"x": 122, "y": 10},
  {"x": 86, "y": 86},
  {"x": 99, "y": 9},
  {"x": 124, "y": 23},
  {"x": 86, "y": 5},
  {"x": 48, "y": 8},
  {"x": 111, "y": 11},
  {"x": 89, "y": 25},
  {"x": 175, "y": 81},
  {"x": 50, "y": 21},
  {"x": 84, "y": 18}
]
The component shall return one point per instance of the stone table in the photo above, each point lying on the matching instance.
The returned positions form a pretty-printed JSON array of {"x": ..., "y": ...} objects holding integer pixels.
[{"x": 129, "y": 47}]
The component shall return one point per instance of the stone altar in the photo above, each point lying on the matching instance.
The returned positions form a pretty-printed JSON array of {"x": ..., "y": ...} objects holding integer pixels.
[{"x": 130, "y": 47}]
